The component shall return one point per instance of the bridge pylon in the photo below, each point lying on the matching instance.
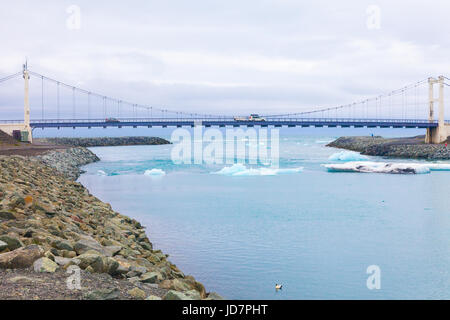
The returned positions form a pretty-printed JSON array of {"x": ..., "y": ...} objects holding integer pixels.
[
  {"x": 9, "y": 128},
  {"x": 26, "y": 118},
  {"x": 440, "y": 133}
]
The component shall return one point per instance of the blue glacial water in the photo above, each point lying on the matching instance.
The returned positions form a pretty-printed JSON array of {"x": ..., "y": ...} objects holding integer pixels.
[{"x": 314, "y": 231}]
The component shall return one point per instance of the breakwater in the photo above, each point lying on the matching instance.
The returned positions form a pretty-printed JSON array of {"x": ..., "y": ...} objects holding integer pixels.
[
  {"x": 413, "y": 148},
  {"x": 103, "y": 141}
]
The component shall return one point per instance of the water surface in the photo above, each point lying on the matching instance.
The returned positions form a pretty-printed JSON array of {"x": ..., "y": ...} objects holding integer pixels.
[{"x": 314, "y": 231}]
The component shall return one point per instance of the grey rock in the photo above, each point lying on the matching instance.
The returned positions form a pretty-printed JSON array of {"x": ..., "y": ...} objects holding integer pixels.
[
  {"x": 6, "y": 216},
  {"x": 149, "y": 277},
  {"x": 44, "y": 265},
  {"x": 103, "y": 294},
  {"x": 193, "y": 294},
  {"x": 111, "y": 250},
  {"x": 85, "y": 245},
  {"x": 152, "y": 297},
  {"x": 137, "y": 293},
  {"x": 63, "y": 245},
  {"x": 93, "y": 260},
  {"x": 176, "y": 295},
  {"x": 214, "y": 296},
  {"x": 12, "y": 242},
  {"x": 21, "y": 258},
  {"x": 62, "y": 261},
  {"x": 134, "y": 279},
  {"x": 3, "y": 245},
  {"x": 138, "y": 270}
]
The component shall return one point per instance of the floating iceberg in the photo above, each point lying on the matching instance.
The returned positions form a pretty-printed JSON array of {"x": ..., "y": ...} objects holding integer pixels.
[
  {"x": 438, "y": 166},
  {"x": 379, "y": 167},
  {"x": 323, "y": 141},
  {"x": 101, "y": 173},
  {"x": 154, "y": 172},
  {"x": 242, "y": 170},
  {"x": 347, "y": 156}
]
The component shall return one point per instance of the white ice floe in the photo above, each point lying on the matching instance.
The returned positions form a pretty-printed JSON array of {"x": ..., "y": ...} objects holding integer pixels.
[
  {"x": 387, "y": 167},
  {"x": 241, "y": 170},
  {"x": 438, "y": 166},
  {"x": 347, "y": 156},
  {"x": 323, "y": 141},
  {"x": 101, "y": 173},
  {"x": 154, "y": 172}
]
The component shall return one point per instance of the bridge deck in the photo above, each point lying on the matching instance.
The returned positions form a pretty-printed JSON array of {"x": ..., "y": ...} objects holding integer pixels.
[{"x": 306, "y": 122}]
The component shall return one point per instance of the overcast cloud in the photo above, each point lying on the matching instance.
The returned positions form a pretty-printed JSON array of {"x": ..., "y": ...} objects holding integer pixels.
[{"x": 228, "y": 57}]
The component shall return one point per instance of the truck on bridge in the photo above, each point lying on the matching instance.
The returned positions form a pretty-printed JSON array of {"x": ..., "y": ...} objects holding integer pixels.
[{"x": 252, "y": 117}]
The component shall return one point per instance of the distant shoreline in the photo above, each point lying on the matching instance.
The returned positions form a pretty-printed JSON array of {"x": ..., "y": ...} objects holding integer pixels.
[
  {"x": 412, "y": 147},
  {"x": 103, "y": 141}
]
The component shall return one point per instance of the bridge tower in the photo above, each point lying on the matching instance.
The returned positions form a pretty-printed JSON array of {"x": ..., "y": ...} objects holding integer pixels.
[
  {"x": 26, "y": 119},
  {"x": 9, "y": 128},
  {"x": 442, "y": 131}
]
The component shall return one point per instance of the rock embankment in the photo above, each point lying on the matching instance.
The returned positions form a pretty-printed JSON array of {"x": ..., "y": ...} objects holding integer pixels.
[
  {"x": 50, "y": 225},
  {"x": 104, "y": 141},
  {"x": 68, "y": 161},
  {"x": 413, "y": 148}
]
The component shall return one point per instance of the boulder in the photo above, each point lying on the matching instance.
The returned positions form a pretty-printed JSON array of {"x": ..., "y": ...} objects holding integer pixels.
[
  {"x": 21, "y": 258},
  {"x": 49, "y": 255},
  {"x": 110, "y": 265},
  {"x": 149, "y": 277},
  {"x": 193, "y": 294},
  {"x": 144, "y": 263},
  {"x": 138, "y": 270},
  {"x": 62, "y": 261},
  {"x": 194, "y": 285},
  {"x": 175, "y": 284},
  {"x": 111, "y": 251},
  {"x": 95, "y": 261},
  {"x": 154, "y": 259},
  {"x": 44, "y": 265},
  {"x": 68, "y": 254},
  {"x": 214, "y": 296},
  {"x": 12, "y": 242},
  {"x": 86, "y": 244},
  {"x": 62, "y": 245},
  {"x": 102, "y": 294},
  {"x": 152, "y": 297},
  {"x": 121, "y": 269},
  {"x": 134, "y": 280},
  {"x": 146, "y": 246},
  {"x": 3, "y": 245},
  {"x": 137, "y": 293},
  {"x": 5, "y": 215},
  {"x": 175, "y": 295}
]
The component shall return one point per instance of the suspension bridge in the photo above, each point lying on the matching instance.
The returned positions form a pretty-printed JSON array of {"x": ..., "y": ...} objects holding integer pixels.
[{"x": 69, "y": 106}]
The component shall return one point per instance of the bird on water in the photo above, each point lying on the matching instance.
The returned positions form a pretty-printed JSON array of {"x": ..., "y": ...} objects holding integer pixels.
[{"x": 278, "y": 286}]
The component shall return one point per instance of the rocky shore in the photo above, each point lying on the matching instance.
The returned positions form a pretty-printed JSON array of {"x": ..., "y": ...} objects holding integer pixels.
[
  {"x": 51, "y": 226},
  {"x": 68, "y": 161},
  {"x": 103, "y": 141},
  {"x": 413, "y": 148}
]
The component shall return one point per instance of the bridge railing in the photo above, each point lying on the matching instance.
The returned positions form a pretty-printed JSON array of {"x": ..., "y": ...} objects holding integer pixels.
[
  {"x": 222, "y": 120},
  {"x": 230, "y": 120}
]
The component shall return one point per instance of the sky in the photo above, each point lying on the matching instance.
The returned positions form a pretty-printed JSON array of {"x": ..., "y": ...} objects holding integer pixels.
[{"x": 224, "y": 57}]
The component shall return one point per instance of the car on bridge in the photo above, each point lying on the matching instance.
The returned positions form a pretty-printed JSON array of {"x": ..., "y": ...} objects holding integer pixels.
[
  {"x": 112, "y": 120},
  {"x": 252, "y": 117}
]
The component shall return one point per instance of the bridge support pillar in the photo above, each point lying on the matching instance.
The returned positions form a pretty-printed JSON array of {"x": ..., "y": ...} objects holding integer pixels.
[
  {"x": 442, "y": 131},
  {"x": 26, "y": 119}
]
